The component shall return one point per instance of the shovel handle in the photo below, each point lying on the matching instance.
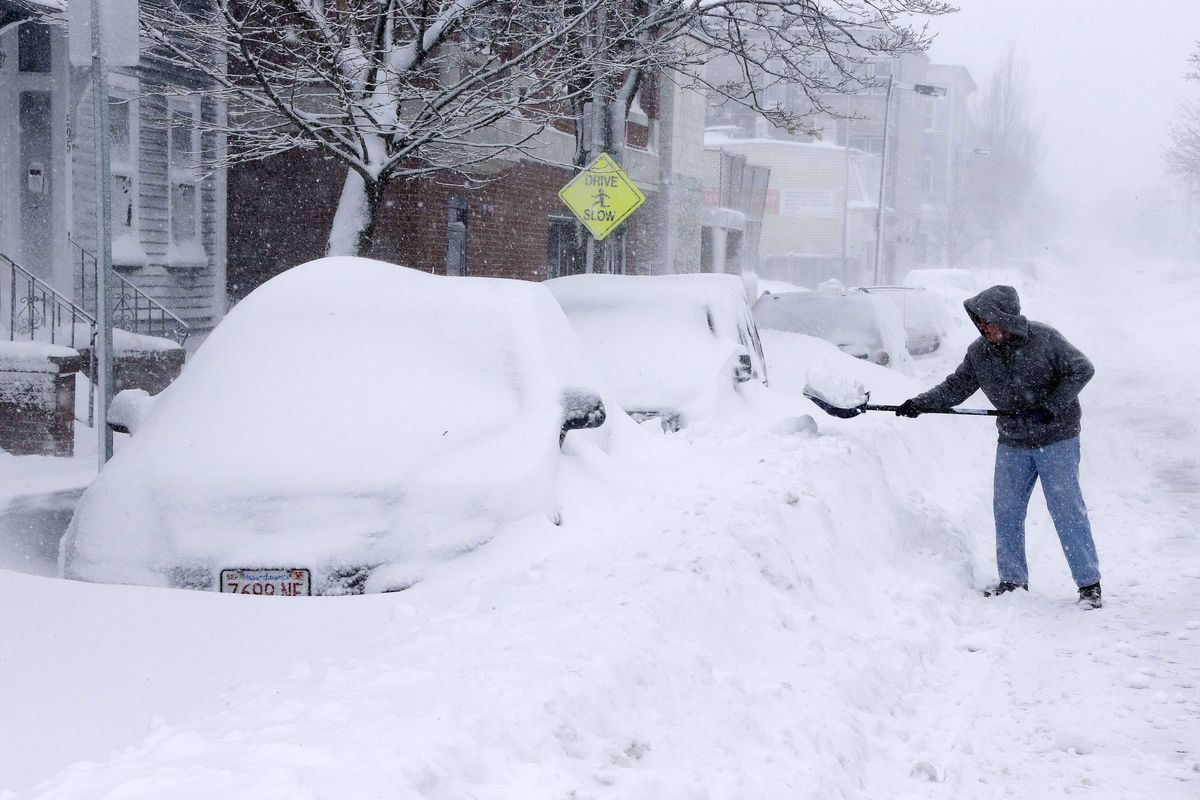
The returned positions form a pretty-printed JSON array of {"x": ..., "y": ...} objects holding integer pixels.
[{"x": 975, "y": 412}]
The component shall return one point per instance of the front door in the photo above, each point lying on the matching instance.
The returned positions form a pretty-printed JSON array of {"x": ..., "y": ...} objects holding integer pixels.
[
  {"x": 10, "y": 209},
  {"x": 31, "y": 146},
  {"x": 34, "y": 184}
]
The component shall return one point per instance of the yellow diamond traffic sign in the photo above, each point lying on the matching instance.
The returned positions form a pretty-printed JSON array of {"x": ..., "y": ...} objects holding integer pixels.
[{"x": 602, "y": 196}]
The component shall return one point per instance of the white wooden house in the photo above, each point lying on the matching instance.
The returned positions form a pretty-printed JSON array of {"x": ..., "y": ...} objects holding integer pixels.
[{"x": 169, "y": 211}]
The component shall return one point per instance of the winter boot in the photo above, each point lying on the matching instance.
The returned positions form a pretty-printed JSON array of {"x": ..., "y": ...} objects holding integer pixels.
[
  {"x": 1089, "y": 596},
  {"x": 1006, "y": 586}
]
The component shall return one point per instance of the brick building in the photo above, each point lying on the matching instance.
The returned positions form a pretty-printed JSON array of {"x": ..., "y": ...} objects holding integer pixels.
[{"x": 511, "y": 225}]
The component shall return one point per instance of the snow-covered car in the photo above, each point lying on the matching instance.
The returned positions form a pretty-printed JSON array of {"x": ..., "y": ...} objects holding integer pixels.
[
  {"x": 666, "y": 345},
  {"x": 921, "y": 314},
  {"x": 863, "y": 325},
  {"x": 347, "y": 424}
]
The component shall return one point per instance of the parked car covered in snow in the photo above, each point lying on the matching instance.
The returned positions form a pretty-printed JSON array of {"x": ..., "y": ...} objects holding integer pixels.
[
  {"x": 345, "y": 425},
  {"x": 863, "y": 325},
  {"x": 920, "y": 313},
  {"x": 665, "y": 344}
]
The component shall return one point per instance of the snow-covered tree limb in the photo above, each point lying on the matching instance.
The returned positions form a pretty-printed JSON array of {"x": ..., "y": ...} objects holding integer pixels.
[
  {"x": 400, "y": 88},
  {"x": 390, "y": 88}
]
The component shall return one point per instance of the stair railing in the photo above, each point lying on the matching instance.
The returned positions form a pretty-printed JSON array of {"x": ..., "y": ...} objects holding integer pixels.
[
  {"x": 38, "y": 312},
  {"x": 133, "y": 310}
]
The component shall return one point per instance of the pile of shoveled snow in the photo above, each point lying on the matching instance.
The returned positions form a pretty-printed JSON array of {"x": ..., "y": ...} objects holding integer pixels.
[{"x": 725, "y": 612}]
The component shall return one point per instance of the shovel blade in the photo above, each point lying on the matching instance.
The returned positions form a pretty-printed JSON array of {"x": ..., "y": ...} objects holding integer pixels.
[{"x": 836, "y": 411}]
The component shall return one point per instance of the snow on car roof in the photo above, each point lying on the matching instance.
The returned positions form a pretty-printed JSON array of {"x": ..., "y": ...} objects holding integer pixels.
[{"x": 356, "y": 371}]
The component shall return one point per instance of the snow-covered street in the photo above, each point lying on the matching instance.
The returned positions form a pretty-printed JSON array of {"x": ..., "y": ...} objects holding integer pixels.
[{"x": 740, "y": 610}]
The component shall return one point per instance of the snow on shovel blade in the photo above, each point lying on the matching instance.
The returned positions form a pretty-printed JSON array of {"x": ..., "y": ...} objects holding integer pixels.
[{"x": 845, "y": 412}]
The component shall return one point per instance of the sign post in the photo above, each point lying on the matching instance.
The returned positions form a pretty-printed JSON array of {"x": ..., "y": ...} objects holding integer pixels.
[
  {"x": 602, "y": 196},
  {"x": 118, "y": 20}
]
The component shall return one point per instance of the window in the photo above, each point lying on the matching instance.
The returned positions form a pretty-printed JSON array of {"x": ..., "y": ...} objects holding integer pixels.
[
  {"x": 562, "y": 250},
  {"x": 33, "y": 47},
  {"x": 123, "y": 163},
  {"x": 930, "y": 111},
  {"x": 123, "y": 139},
  {"x": 183, "y": 173},
  {"x": 879, "y": 72},
  {"x": 456, "y": 237}
]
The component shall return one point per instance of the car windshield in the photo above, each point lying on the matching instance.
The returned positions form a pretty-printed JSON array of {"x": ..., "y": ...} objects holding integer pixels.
[
  {"x": 847, "y": 320},
  {"x": 660, "y": 341}
]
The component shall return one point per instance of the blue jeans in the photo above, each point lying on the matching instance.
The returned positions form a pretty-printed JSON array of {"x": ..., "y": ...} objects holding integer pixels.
[{"x": 1057, "y": 465}]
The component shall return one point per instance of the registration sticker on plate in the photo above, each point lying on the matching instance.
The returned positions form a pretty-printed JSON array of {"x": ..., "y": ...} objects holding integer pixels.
[{"x": 284, "y": 582}]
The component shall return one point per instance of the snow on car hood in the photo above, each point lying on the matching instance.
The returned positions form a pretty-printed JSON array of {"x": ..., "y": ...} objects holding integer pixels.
[{"x": 390, "y": 403}]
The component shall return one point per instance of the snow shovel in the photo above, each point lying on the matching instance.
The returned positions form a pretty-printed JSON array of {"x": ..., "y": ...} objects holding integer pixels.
[{"x": 846, "y": 412}]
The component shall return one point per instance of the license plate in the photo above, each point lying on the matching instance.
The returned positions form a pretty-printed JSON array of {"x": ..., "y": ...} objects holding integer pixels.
[{"x": 270, "y": 582}]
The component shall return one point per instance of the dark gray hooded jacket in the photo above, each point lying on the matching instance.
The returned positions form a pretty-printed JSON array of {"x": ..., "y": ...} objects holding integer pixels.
[{"x": 1035, "y": 368}]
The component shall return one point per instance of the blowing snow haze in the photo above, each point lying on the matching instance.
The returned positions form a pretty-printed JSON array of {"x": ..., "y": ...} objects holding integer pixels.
[
  {"x": 1107, "y": 79},
  {"x": 677, "y": 505}
]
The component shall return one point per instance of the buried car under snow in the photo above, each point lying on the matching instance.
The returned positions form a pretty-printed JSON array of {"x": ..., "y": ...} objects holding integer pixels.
[
  {"x": 346, "y": 424},
  {"x": 863, "y": 325},
  {"x": 666, "y": 345}
]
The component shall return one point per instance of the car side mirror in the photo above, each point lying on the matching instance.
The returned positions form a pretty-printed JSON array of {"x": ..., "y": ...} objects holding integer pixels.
[
  {"x": 582, "y": 408},
  {"x": 128, "y": 409},
  {"x": 744, "y": 371}
]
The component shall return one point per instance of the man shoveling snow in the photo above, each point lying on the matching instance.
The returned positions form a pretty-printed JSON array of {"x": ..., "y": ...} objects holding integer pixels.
[{"x": 1033, "y": 376}]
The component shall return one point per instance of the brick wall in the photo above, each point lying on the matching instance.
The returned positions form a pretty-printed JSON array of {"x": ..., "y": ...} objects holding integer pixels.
[
  {"x": 37, "y": 405},
  {"x": 273, "y": 226},
  {"x": 150, "y": 370}
]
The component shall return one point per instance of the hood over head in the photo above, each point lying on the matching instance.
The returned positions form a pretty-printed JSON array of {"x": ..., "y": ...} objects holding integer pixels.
[{"x": 998, "y": 305}]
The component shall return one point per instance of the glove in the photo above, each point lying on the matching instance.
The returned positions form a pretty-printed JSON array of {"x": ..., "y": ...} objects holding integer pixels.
[
  {"x": 1040, "y": 415},
  {"x": 909, "y": 409}
]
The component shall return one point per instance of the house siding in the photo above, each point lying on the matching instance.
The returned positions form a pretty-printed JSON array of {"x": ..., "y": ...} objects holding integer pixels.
[{"x": 193, "y": 293}]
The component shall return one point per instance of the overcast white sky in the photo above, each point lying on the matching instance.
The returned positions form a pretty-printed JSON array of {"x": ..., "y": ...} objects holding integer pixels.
[{"x": 1108, "y": 74}]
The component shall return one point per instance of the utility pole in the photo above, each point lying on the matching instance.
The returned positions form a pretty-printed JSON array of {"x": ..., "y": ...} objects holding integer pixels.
[
  {"x": 922, "y": 89},
  {"x": 594, "y": 257},
  {"x": 883, "y": 167},
  {"x": 846, "y": 203},
  {"x": 104, "y": 336}
]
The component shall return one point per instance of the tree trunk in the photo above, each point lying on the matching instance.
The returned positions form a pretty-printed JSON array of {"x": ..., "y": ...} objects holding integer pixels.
[{"x": 353, "y": 230}]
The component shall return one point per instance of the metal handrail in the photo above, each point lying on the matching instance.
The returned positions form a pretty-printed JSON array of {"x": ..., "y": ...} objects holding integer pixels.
[
  {"x": 41, "y": 309},
  {"x": 133, "y": 309}
]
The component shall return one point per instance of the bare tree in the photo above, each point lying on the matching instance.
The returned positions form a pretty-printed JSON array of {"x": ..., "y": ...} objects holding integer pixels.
[
  {"x": 390, "y": 88},
  {"x": 1001, "y": 176},
  {"x": 1183, "y": 157},
  {"x": 768, "y": 43},
  {"x": 404, "y": 88}
]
